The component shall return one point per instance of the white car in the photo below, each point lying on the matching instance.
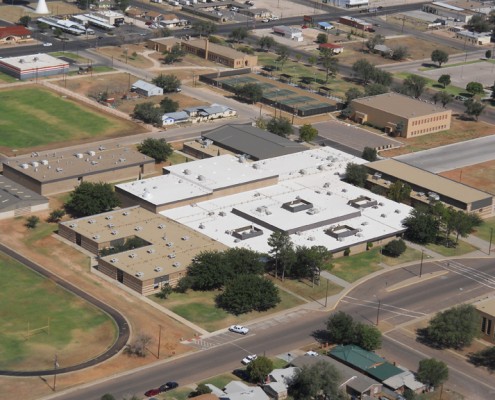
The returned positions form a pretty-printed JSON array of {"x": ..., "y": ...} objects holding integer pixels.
[
  {"x": 248, "y": 359},
  {"x": 312, "y": 353},
  {"x": 265, "y": 20},
  {"x": 274, "y": 18},
  {"x": 239, "y": 329},
  {"x": 47, "y": 44}
]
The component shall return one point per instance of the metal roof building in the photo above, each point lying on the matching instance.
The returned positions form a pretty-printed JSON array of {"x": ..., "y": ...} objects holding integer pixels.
[
  {"x": 146, "y": 89},
  {"x": 33, "y": 66},
  {"x": 427, "y": 186},
  {"x": 254, "y": 142},
  {"x": 16, "y": 200}
]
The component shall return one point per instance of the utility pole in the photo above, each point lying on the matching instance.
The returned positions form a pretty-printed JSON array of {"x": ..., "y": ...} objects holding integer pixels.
[
  {"x": 421, "y": 266},
  {"x": 326, "y": 296},
  {"x": 159, "y": 339},
  {"x": 378, "y": 312},
  {"x": 491, "y": 237},
  {"x": 55, "y": 366}
]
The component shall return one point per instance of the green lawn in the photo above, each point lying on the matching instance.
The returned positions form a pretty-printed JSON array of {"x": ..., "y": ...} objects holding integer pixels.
[
  {"x": 98, "y": 68},
  {"x": 484, "y": 231},
  {"x": 307, "y": 290},
  {"x": 199, "y": 308},
  {"x": 34, "y": 117},
  {"x": 7, "y": 78},
  {"x": 462, "y": 248},
  {"x": 67, "y": 54},
  {"x": 27, "y": 299}
]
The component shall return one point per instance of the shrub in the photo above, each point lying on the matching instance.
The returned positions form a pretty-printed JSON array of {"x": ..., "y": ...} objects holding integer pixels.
[
  {"x": 395, "y": 248},
  {"x": 347, "y": 252}
]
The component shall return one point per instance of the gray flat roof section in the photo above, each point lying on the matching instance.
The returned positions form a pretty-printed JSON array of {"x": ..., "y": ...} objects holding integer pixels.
[
  {"x": 400, "y": 105},
  {"x": 253, "y": 141},
  {"x": 428, "y": 180},
  {"x": 49, "y": 166},
  {"x": 13, "y": 195}
]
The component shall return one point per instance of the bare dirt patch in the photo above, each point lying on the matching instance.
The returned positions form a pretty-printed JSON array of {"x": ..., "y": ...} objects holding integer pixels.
[
  {"x": 480, "y": 176},
  {"x": 12, "y": 13},
  {"x": 460, "y": 131},
  {"x": 130, "y": 54},
  {"x": 71, "y": 265}
]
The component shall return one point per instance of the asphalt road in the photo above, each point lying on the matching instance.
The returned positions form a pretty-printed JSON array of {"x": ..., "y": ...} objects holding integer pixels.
[
  {"x": 453, "y": 156},
  {"x": 467, "y": 279}
]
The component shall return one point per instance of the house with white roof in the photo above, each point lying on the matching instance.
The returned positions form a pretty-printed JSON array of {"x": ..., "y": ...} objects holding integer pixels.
[
  {"x": 237, "y": 390},
  {"x": 146, "y": 89}
]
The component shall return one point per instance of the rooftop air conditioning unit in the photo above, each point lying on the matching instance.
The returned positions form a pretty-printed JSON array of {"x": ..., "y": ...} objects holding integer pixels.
[
  {"x": 79, "y": 155},
  {"x": 114, "y": 260},
  {"x": 176, "y": 264},
  {"x": 161, "y": 226},
  {"x": 139, "y": 274},
  {"x": 91, "y": 153},
  {"x": 114, "y": 232},
  {"x": 158, "y": 269},
  {"x": 151, "y": 251},
  {"x": 96, "y": 237},
  {"x": 110, "y": 225},
  {"x": 109, "y": 217},
  {"x": 171, "y": 255},
  {"x": 170, "y": 244},
  {"x": 91, "y": 221},
  {"x": 185, "y": 237},
  {"x": 138, "y": 228},
  {"x": 125, "y": 213},
  {"x": 132, "y": 255}
]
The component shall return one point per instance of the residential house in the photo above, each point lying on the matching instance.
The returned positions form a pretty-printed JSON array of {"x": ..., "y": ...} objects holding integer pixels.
[
  {"x": 134, "y": 12},
  {"x": 405, "y": 380},
  {"x": 333, "y": 47},
  {"x": 171, "y": 21},
  {"x": 146, "y": 89},
  {"x": 278, "y": 382},
  {"x": 14, "y": 34},
  {"x": 383, "y": 50},
  {"x": 209, "y": 113},
  {"x": 153, "y": 16},
  {"x": 175, "y": 118}
]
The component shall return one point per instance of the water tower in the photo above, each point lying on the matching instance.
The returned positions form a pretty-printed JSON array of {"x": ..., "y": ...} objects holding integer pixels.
[{"x": 41, "y": 8}]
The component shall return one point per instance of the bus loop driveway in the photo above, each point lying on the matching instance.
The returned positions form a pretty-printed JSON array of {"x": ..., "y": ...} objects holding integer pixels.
[{"x": 351, "y": 138}]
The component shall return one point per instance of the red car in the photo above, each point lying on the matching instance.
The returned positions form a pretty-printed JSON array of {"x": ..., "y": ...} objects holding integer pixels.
[
  {"x": 152, "y": 392},
  {"x": 304, "y": 27}
]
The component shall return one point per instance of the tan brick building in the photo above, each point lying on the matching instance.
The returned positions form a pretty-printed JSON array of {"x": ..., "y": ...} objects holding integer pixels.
[
  {"x": 486, "y": 310},
  {"x": 207, "y": 50},
  {"x": 168, "y": 249},
  {"x": 50, "y": 172},
  {"x": 390, "y": 110}
]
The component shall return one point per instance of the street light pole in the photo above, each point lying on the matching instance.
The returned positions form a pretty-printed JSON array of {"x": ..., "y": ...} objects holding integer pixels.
[
  {"x": 326, "y": 296},
  {"x": 421, "y": 266},
  {"x": 378, "y": 312},
  {"x": 491, "y": 237},
  {"x": 55, "y": 366}
]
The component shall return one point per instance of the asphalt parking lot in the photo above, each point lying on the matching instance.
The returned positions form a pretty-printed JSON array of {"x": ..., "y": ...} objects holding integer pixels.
[{"x": 351, "y": 138}]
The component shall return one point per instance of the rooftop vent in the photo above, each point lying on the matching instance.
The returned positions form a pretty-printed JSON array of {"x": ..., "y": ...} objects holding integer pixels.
[
  {"x": 158, "y": 269},
  {"x": 114, "y": 260},
  {"x": 176, "y": 264},
  {"x": 132, "y": 255},
  {"x": 96, "y": 237},
  {"x": 185, "y": 238},
  {"x": 151, "y": 251},
  {"x": 139, "y": 274},
  {"x": 109, "y": 217},
  {"x": 161, "y": 226},
  {"x": 114, "y": 232}
]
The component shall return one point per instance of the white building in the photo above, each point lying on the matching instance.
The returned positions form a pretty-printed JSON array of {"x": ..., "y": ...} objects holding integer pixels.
[
  {"x": 146, "y": 89},
  {"x": 289, "y": 32}
]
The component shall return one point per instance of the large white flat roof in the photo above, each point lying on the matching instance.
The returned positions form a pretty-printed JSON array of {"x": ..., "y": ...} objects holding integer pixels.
[{"x": 33, "y": 61}]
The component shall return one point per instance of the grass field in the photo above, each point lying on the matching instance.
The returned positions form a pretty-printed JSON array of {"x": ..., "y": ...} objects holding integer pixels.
[
  {"x": 486, "y": 230},
  {"x": 34, "y": 117},
  {"x": 462, "y": 248},
  {"x": 27, "y": 299},
  {"x": 6, "y": 78}
]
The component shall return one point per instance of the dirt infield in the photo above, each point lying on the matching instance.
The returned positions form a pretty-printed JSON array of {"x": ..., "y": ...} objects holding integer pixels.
[{"x": 480, "y": 176}]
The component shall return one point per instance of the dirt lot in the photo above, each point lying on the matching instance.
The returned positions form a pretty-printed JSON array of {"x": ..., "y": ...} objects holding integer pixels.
[
  {"x": 479, "y": 176},
  {"x": 72, "y": 266},
  {"x": 13, "y": 13},
  {"x": 287, "y": 8},
  {"x": 460, "y": 131}
]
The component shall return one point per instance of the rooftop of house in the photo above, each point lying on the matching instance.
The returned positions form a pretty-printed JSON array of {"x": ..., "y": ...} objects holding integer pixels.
[
  {"x": 400, "y": 105},
  {"x": 428, "y": 180},
  {"x": 48, "y": 166},
  {"x": 15, "y": 30}
]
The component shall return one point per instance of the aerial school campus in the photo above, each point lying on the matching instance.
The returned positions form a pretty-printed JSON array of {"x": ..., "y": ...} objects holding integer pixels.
[{"x": 247, "y": 200}]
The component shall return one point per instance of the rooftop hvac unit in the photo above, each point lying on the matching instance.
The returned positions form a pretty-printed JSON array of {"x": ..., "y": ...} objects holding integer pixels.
[
  {"x": 151, "y": 251},
  {"x": 222, "y": 213},
  {"x": 110, "y": 225},
  {"x": 139, "y": 274},
  {"x": 161, "y": 226},
  {"x": 109, "y": 217},
  {"x": 96, "y": 237},
  {"x": 114, "y": 232},
  {"x": 344, "y": 190},
  {"x": 201, "y": 226},
  {"x": 171, "y": 255},
  {"x": 114, "y": 260},
  {"x": 35, "y": 164},
  {"x": 132, "y": 255},
  {"x": 170, "y": 244},
  {"x": 381, "y": 204},
  {"x": 176, "y": 264},
  {"x": 364, "y": 223},
  {"x": 397, "y": 211},
  {"x": 158, "y": 269},
  {"x": 101, "y": 148},
  {"x": 383, "y": 215},
  {"x": 187, "y": 172},
  {"x": 73, "y": 225},
  {"x": 94, "y": 162},
  {"x": 24, "y": 166},
  {"x": 201, "y": 178},
  {"x": 329, "y": 193},
  {"x": 125, "y": 213},
  {"x": 122, "y": 160},
  {"x": 79, "y": 155},
  {"x": 326, "y": 185},
  {"x": 138, "y": 228},
  {"x": 91, "y": 221},
  {"x": 185, "y": 238},
  {"x": 91, "y": 153},
  {"x": 59, "y": 169}
]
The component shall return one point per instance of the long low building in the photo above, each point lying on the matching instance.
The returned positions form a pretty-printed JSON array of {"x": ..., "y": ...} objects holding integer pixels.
[
  {"x": 427, "y": 186},
  {"x": 400, "y": 115},
  {"x": 53, "y": 172},
  {"x": 16, "y": 200},
  {"x": 33, "y": 66},
  {"x": 168, "y": 247}
]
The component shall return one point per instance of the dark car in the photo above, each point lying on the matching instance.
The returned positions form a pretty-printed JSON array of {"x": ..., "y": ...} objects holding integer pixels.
[
  {"x": 152, "y": 392},
  {"x": 168, "y": 386}
]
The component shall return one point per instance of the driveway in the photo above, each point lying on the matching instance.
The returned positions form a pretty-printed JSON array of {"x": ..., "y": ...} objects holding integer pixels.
[
  {"x": 453, "y": 156},
  {"x": 350, "y": 138}
]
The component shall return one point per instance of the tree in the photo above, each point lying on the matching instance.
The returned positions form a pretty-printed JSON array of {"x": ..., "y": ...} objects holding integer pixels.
[
  {"x": 283, "y": 55},
  {"x": 399, "y": 191},
  {"x": 355, "y": 174},
  {"x": 475, "y": 88},
  {"x": 462, "y": 223},
  {"x": 352, "y": 94},
  {"x": 368, "y": 337},
  {"x": 341, "y": 328},
  {"x": 280, "y": 126},
  {"x": 56, "y": 215},
  {"x": 165, "y": 291},
  {"x": 246, "y": 293},
  {"x": 32, "y": 222},
  {"x": 381, "y": 77},
  {"x": 200, "y": 390},
  {"x": 422, "y": 226},
  {"x": 204, "y": 28},
  {"x": 25, "y": 20},
  {"x": 399, "y": 53},
  {"x": 208, "y": 271},
  {"x": 175, "y": 54},
  {"x": 364, "y": 70},
  {"x": 252, "y": 92},
  {"x": 259, "y": 369},
  {"x": 439, "y": 56},
  {"x": 280, "y": 245},
  {"x": 312, "y": 60},
  {"x": 309, "y": 262},
  {"x": 322, "y": 38},
  {"x": 308, "y": 132},
  {"x": 374, "y": 41},
  {"x": 320, "y": 380},
  {"x": 329, "y": 62},
  {"x": 485, "y": 358},
  {"x": 58, "y": 32},
  {"x": 488, "y": 54},
  {"x": 168, "y": 105},
  {"x": 399, "y": 128},
  {"x": 474, "y": 108},
  {"x": 243, "y": 261},
  {"x": 91, "y": 198},
  {"x": 415, "y": 85},
  {"x": 479, "y": 23},
  {"x": 239, "y": 34},
  {"x": 442, "y": 97},
  {"x": 107, "y": 396},
  {"x": 444, "y": 80},
  {"x": 169, "y": 83},
  {"x": 148, "y": 113},
  {"x": 432, "y": 372},
  {"x": 138, "y": 346},
  {"x": 395, "y": 248},
  {"x": 369, "y": 154},
  {"x": 374, "y": 89},
  {"x": 266, "y": 42},
  {"x": 454, "y": 328}
]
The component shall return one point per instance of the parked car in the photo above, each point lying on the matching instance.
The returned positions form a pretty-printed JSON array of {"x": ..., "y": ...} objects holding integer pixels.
[
  {"x": 265, "y": 20},
  {"x": 312, "y": 353},
  {"x": 274, "y": 18},
  {"x": 248, "y": 359},
  {"x": 47, "y": 44},
  {"x": 239, "y": 329},
  {"x": 168, "y": 386},
  {"x": 152, "y": 392}
]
